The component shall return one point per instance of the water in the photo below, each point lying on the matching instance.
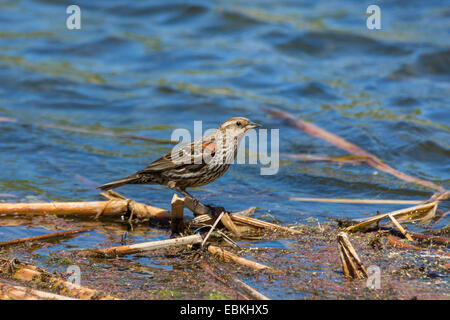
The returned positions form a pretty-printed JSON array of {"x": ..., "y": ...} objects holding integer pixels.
[{"x": 149, "y": 68}]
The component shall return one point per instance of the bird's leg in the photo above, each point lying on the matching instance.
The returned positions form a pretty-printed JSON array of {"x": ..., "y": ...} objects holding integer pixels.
[
  {"x": 187, "y": 194},
  {"x": 214, "y": 209}
]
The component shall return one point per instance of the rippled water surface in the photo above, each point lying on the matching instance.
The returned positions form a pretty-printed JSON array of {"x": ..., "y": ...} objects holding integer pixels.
[{"x": 147, "y": 68}]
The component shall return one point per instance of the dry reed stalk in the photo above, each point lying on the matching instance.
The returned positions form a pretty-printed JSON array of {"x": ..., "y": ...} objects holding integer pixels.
[
  {"x": 446, "y": 266},
  {"x": 237, "y": 229},
  {"x": 399, "y": 227},
  {"x": 360, "y": 201},
  {"x": 228, "y": 256},
  {"x": 94, "y": 208},
  {"x": 111, "y": 134},
  {"x": 200, "y": 209},
  {"x": 242, "y": 224},
  {"x": 21, "y": 271},
  {"x": 396, "y": 242},
  {"x": 206, "y": 215},
  {"x": 210, "y": 271},
  {"x": 249, "y": 290},
  {"x": 176, "y": 220},
  {"x": 353, "y": 159},
  {"x": 423, "y": 213},
  {"x": 144, "y": 246},
  {"x": 351, "y": 263},
  {"x": 104, "y": 133},
  {"x": 13, "y": 292},
  {"x": 247, "y": 212},
  {"x": 6, "y": 119},
  {"x": 349, "y": 147},
  {"x": 140, "y": 210},
  {"x": 54, "y": 235},
  {"x": 229, "y": 224},
  {"x": 212, "y": 228},
  {"x": 261, "y": 224},
  {"x": 439, "y": 196},
  {"x": 436, "y": 239}
]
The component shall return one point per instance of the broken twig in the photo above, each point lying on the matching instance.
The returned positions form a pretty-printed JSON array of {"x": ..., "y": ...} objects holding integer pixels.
[{"x": 49, "y": 236}]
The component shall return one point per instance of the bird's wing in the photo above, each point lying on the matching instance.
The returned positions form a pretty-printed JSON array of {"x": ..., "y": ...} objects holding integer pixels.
[{"x": 192, "y": 154}]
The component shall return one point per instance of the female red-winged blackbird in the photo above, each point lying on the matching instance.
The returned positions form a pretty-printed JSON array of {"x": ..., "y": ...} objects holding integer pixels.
[{"x": 196, "y": 164}]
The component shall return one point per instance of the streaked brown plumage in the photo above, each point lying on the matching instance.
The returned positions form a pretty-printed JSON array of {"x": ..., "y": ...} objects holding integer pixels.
[{"x": 196, "y": 164}]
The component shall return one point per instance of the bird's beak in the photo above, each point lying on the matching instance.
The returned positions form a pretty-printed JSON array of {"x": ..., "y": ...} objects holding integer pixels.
[{"x": 252, "y": 125}]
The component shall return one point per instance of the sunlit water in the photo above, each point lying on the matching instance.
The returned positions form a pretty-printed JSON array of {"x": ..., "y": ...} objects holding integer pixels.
[{"x": 149, "y": 68}]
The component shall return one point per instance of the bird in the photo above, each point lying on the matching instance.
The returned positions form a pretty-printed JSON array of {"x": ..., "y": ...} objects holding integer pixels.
[{"x": 193, "y": 164}]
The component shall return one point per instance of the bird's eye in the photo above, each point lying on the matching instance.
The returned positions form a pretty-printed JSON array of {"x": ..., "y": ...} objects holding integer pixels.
[{"x": 238, "y": 123}]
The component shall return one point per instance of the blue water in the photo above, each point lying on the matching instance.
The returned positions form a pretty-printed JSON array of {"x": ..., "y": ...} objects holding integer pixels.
[{"x": 147, "y": 68}]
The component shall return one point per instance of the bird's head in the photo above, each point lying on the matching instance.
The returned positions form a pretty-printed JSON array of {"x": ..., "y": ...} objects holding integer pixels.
[{"x": 237, "y": 126}]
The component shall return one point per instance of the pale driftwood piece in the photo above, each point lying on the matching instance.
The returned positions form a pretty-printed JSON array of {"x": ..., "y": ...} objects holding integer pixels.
[
  {"x": 54, "y": 235},
  {"x": 21, "y": 271},
  {"x": 249, "y": 290},
  {"x": 351, "y": 263},
  {"x": 144, "y": 246},
  {"x": 261, "y": 224},
  {"x": 212, "y": 228},
  {"x": 210, "y": 271},
  {"x": 176, "y": 220},
  {"x": 399, "y": 227},
  {"x": 228, "y": 256},
  {"x": 428, "y": 209},
  {"x": 352, "y": 148},
  {"x": 359, "y": 201},
  {"x": 13, "y": 292}
]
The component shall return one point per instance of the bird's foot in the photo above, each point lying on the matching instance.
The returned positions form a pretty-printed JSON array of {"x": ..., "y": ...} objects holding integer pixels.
[
  {"x": 196, "y": 203},
  {"x": 216, "y": 210}
]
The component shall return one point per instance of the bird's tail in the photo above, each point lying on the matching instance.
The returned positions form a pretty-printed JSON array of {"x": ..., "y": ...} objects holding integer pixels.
[{"x": 118, "y": 183}]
